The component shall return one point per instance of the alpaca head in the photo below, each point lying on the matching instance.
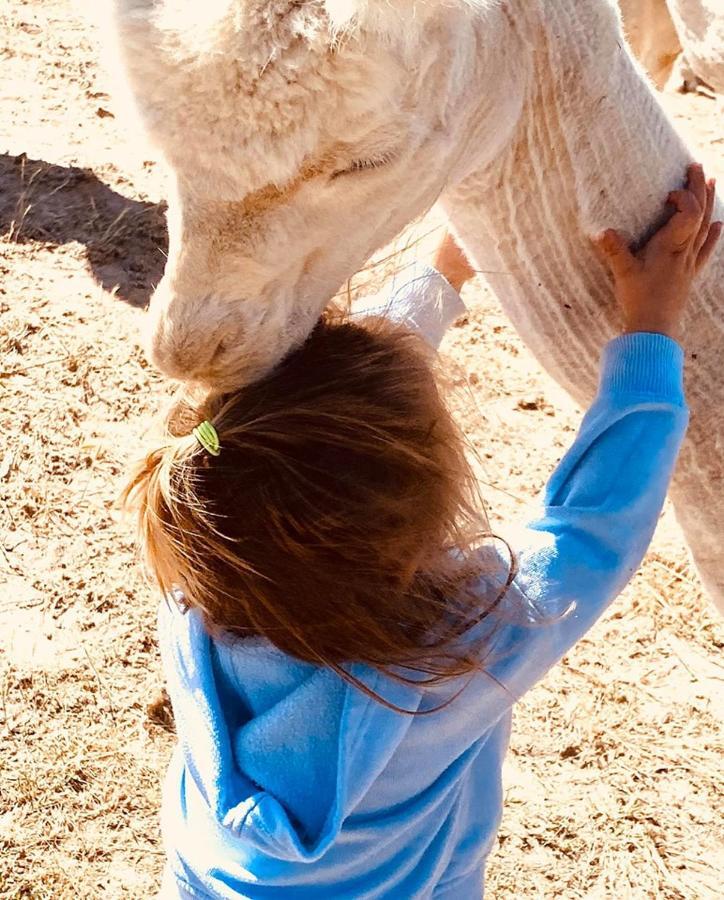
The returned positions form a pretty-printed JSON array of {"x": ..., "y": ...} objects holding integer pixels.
[{"x": 302, "y": 135}]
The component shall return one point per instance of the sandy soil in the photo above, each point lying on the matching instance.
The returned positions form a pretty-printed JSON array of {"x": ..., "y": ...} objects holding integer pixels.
[{"x": 614, "y": 782}]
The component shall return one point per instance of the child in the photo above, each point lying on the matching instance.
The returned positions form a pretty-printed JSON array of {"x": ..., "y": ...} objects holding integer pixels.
[{"x": 342, "y": 645}]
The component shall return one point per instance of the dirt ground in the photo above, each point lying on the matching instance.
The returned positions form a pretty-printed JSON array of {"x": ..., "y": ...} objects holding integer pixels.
[{"x": 614, "y": 782}]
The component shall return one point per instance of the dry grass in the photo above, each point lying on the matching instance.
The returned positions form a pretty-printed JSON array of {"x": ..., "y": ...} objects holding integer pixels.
[{"x": 614, "y": 779}]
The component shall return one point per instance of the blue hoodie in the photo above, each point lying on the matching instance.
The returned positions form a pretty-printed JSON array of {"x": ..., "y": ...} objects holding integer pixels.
[{"x": 287, "y": 782}]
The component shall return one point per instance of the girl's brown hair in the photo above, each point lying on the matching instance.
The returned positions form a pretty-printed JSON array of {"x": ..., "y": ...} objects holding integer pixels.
[{"x": 340, "y": 520}]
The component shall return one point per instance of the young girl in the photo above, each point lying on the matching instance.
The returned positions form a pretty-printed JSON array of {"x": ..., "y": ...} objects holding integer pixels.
[{"x": 342, "y": 645}]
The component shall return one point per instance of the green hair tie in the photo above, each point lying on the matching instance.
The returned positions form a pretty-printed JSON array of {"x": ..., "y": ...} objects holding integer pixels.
[{"x": 206, "y": 435}]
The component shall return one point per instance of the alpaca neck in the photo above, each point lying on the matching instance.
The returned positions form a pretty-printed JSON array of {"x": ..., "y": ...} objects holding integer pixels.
[{"x": 592, "y": 149}]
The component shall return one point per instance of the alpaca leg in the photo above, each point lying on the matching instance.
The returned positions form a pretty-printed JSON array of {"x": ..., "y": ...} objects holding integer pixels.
[
  {"x": 594, "y": 149},
  {"x": 683, "y": 78}
]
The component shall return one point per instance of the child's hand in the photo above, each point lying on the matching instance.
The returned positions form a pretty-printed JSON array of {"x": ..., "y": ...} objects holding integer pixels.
[
  {"x": 652, "y": 285},
  {"x": 451, "y": 262}
]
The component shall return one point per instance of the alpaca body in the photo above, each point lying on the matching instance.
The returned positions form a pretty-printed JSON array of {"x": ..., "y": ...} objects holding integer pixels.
[{"x": 303, "y": 140}]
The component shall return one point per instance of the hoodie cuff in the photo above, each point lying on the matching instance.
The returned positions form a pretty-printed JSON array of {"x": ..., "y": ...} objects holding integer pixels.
[
  {"x": 643, "y": 363},
  {"x": 422, "y": 299}
]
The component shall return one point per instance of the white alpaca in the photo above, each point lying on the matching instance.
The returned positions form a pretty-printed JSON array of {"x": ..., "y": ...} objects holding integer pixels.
[{"x": 305, "y": 134}]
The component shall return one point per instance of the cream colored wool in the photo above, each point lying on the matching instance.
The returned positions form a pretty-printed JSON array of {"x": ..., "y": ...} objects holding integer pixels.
[{"x": 272, "y": 114}]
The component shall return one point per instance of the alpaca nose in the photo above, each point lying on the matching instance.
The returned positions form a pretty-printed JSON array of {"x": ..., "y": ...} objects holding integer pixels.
[
  {"x": 184, "y": 353},
  {"x": 177, "y": 340}
]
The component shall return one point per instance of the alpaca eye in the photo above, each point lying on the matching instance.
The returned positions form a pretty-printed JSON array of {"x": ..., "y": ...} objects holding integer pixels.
[
  {"x": 359, "y": 164},
  {"x": 364, "y": 165}
]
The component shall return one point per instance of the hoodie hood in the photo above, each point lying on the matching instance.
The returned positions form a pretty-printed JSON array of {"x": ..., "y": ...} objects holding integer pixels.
[{"x": 278, "y": 749}]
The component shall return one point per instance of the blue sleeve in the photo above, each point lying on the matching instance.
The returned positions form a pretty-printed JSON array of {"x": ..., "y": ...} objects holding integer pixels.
[{"x": 599, "y": 511}]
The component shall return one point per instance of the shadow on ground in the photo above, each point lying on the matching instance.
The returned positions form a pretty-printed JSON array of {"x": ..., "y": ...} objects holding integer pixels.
[{"x": 126, "y": 240}]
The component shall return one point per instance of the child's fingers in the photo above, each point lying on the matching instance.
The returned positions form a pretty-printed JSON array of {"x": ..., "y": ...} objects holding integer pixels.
[
  {"x": 684, "y": 224},
  {"x": 713, "y": 235},
  {"x": 706, "y": 221},
  {"x": 696, "y": 183},
  {"x": 615, "y": 250}
]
